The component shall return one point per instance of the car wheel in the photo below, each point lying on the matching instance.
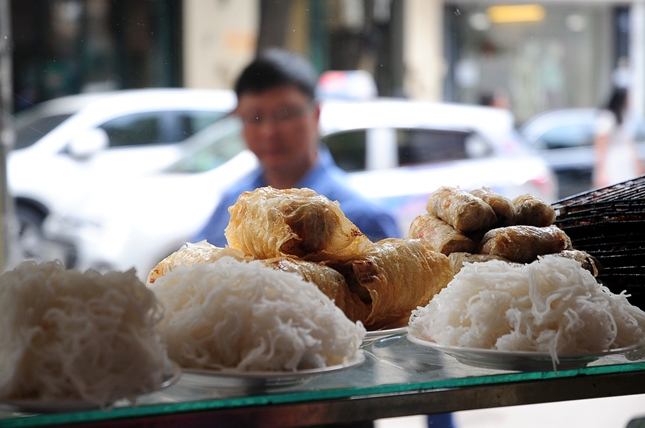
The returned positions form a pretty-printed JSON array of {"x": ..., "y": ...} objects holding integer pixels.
[{"x": 31, "y": 242}]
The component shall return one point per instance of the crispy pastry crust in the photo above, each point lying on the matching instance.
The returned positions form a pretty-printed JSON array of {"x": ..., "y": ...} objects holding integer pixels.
[
  {"x": 463, "y": 211},
  {"x": 587, "y": 261},
  {"x": 458, "y": 259},
  {"x": 533, "y": 211},
  {"x": 191, "y": 254},
  {"x": 331, "y": 282},
  {"x": 522, "y": 244},
  {"x": 395, "y": 277},
  {"x": 440, "y": 235},
  {"x": 268, "y": 222},
  {"x": 501, "y": 205}
]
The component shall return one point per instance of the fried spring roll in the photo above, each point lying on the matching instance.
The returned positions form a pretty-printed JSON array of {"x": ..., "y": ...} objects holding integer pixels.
[
  {"x": 440, "y": 235},
  {"x": 458, "y": 259},
  {"x": 463, "y": 211},
  {"x": 395, "y": 277},
  {"x": 268, "y": 222},
  {"x": 191, "y": 254},
  {"x": 587, "y": 261},
  {"x": 503, "y": 207},
  {"x": 532, "y": 211},
  {"x": 329, "y": 281},
  {"x": 522, "y": 243}
]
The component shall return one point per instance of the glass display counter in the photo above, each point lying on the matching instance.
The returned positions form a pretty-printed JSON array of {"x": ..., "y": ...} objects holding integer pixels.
[{"x": 397, "y": 378}]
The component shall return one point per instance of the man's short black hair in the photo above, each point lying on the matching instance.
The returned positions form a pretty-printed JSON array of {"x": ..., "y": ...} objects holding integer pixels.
[{"x": 277, "y": 67}]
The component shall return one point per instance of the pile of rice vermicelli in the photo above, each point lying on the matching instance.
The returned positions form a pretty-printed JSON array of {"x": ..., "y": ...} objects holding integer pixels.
[
  {"x": 70, "y": 335},
  {"x": 551, "y": 305},
  {"x": 232, "y": 314}
]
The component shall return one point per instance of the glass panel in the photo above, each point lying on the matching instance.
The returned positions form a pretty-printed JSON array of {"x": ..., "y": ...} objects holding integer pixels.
[
  {"x": 28, "y": 133},
  {"x": 212, "y": 156},
  {"x": 422, "y": 146},
  {"x": 348, "y": 149},
  {"x": 212, "y": 147},
  {"x": 133, "y": 130},
  {"x": 394, "y": 367},
  {"x": 191, "y": 122},
  {"x": 567, "y": 136}
]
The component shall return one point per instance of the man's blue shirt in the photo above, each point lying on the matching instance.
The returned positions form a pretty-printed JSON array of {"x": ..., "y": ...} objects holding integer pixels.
[{"x": 326, "y": 178}]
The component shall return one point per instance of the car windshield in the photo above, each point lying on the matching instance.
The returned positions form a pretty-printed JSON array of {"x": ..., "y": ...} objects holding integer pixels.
[
  {"x": 211, "y": 147},
  {"x": 28, "y": 131}
]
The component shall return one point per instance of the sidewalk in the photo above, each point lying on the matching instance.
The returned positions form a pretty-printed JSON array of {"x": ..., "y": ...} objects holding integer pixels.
[{"x": 612, "y": 412}]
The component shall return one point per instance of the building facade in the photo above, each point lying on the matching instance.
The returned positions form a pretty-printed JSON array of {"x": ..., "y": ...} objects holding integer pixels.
[{"x": 538, "y": 56}]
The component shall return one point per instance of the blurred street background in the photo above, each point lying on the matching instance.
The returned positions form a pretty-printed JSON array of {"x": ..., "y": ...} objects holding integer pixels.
[{"x": 545, "y": 67}]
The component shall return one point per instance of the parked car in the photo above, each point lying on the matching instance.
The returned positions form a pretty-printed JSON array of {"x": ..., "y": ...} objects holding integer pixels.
[
  {"x": 66, "y": 147},
  {"x": 565, "y": 139},
  {"x": 396, "y": 153}
]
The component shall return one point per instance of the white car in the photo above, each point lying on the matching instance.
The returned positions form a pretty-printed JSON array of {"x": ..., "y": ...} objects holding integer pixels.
[
  {"x": 396, "y": 153},
  {"x": 67, "y": 147}
]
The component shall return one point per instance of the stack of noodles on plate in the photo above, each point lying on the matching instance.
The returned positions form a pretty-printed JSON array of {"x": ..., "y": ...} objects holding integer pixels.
[
  {"x": 518, "y": 285},
  {"x": 242, "y": 316},
  {"x": 68, "y": 336},
  {"x": 550, "y": 306},
  {"x": 301, "y": 232}
]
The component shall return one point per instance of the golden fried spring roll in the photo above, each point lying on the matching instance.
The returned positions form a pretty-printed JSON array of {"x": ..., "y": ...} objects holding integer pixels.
[
  {"x": 587, "y": 261},
  {"x": 458, "y": 259},
  {"x": 463, "y": 211},
  {"x": 395, "y": 277},
  {"x": 191, "y": 254},
  {"x": 329, "y": 281},
  {"x": 532, "y": 211},
  {"x": 269, "y": 222},
  {"x": 522, "y": 243},
  {"x": 503, "y": 207},
  {"x": 441, "y": 236}
]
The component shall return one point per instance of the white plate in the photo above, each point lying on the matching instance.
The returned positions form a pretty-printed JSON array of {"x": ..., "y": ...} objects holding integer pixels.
[
  {"x": 234, "y": 379},
  {"x": 69, "y": 405},
  {"x": 372, "y": 336},
  {"x": 518, "y": 360}
]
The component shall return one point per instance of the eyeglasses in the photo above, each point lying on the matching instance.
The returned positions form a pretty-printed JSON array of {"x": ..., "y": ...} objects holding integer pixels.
[{"x": 279, "y": 116}]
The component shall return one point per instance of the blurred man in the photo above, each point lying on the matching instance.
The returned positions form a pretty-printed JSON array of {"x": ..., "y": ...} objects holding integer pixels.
[{"x": 276, "y": 102}]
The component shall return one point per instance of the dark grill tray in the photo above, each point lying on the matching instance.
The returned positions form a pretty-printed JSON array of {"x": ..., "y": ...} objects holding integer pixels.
[
  {"x": 609, "y": 224},
  {"x": 622, "y": 192}
]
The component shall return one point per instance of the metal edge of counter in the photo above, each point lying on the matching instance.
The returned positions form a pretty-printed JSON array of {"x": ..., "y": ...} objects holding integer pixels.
[{"x": 365, "y": 408}]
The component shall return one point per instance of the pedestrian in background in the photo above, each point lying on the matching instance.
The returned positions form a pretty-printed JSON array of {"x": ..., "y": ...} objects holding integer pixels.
[{"x": 616, "y": 153}]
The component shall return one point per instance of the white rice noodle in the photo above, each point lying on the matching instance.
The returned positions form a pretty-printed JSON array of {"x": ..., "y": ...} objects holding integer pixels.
[
  {"x": 551, "y": 305},
  {"x": 78, "y": 336},
  {"x": 245, "y": 316}
]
